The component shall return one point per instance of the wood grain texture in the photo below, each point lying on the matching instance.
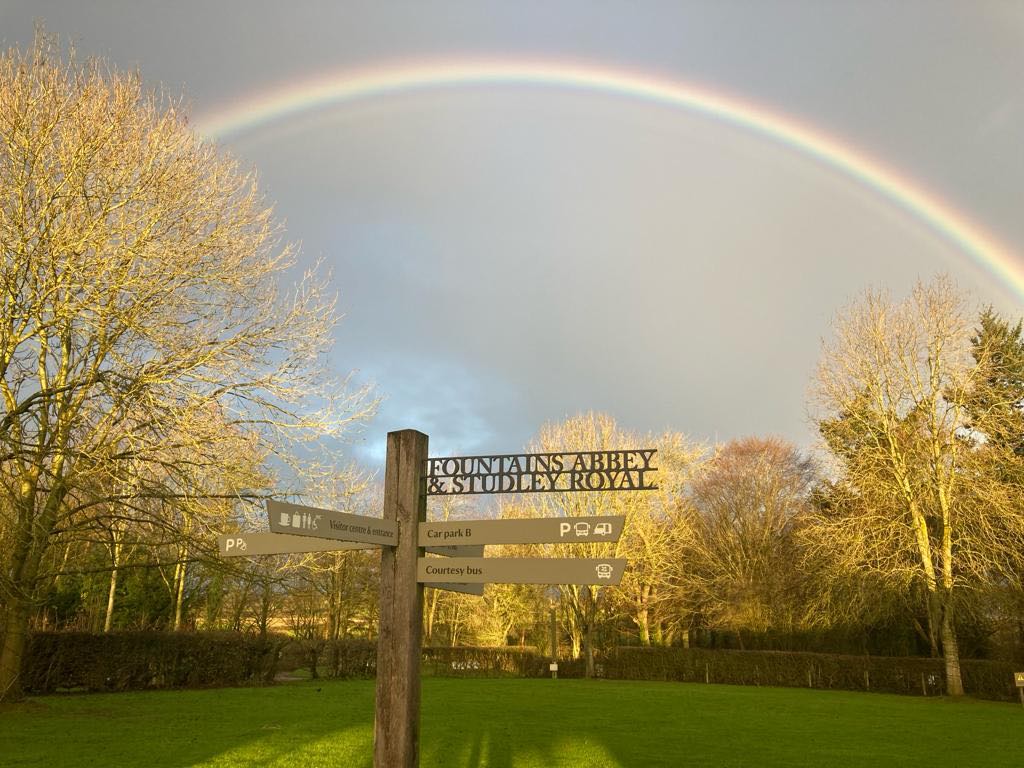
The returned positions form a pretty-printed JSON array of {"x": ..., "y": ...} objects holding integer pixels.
[{"x": 397, "y": 722}]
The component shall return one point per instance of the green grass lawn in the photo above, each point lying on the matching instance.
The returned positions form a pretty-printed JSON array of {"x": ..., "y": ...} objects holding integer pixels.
[{"x": 510, "y": 723}]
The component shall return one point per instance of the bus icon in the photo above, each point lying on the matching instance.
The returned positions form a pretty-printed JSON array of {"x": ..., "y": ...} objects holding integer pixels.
[{"x": 604, "y": 571}]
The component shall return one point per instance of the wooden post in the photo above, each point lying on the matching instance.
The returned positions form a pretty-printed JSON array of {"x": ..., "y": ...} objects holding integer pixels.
[{"x": 396, "y": 733}]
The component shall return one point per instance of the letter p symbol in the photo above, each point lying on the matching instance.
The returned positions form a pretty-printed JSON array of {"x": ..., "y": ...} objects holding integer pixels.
[{"x": 564, "y": 528}]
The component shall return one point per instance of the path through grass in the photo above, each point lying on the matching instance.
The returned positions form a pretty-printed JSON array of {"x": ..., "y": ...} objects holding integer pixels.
[{"x": 512, "y": 724}]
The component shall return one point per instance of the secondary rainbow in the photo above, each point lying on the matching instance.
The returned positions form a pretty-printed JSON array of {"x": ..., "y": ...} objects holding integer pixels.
[{"x": 256, "y": 111}]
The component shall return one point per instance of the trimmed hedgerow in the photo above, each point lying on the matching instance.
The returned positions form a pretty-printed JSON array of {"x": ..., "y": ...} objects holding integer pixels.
[
  {"x": 139, "y": 660},
  {"x": 351, "y": 658},
  {"x": 469, "y": 661},
  {"x": 914, "y": 676},
  {"x": 127, "y": 661}
]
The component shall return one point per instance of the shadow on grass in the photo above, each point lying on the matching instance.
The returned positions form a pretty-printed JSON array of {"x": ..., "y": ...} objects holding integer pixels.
[
  {"x": 504, "y": 723},
  {"x": 306, "y": 724},
  {"x": 509, "y": 723}
]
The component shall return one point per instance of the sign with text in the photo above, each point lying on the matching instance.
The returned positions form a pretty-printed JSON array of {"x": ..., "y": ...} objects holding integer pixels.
[
  {"x": 328, "y": 524},
  {"x": 544, "y": 530},
  {"x": 626, "y": 470},
  {"x": 1018, "y": 678},
  {"x": 471, "y": 550},
  {"x": 521, "y": 570},
  {"x": 251, "y": 544}
]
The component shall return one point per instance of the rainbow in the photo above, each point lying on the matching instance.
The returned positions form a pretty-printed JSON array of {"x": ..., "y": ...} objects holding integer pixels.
[{"x": 256, "y": 111}]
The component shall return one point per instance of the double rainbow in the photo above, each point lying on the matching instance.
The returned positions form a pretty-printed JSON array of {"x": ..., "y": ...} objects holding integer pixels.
[{"x": 330, "y": 90}]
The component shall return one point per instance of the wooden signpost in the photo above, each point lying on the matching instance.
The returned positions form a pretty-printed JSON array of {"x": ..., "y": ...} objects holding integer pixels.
[
  {"x": 396, "y": 727},
  {"x": 409, "y": 478},
  {"x": 1018, "y": 679},
  {"x": 404, "y": 537}
]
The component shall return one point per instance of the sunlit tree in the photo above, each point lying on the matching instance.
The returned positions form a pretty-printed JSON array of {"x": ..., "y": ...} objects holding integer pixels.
[
  {"x": 146, "y": 327},
  {"x": 894, "y": 388}
]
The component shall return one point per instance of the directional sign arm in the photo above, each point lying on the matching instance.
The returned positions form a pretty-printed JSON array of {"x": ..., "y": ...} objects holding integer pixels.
[
  {"x": 521, "y": 570},
  {"x": 544, "y": 530},
  {"x": 252, "y": 544},
  {"x": 329, "y": 524}
]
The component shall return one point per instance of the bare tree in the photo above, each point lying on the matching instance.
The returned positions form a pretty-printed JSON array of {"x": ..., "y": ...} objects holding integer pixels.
[
  {"x": 893, "y": 387},
  {"x": 655, "y": 587},
  {"x": 742, "y": 566},
  {"x": 144, "y": 324},
  {"x": 646, "y": 546}
]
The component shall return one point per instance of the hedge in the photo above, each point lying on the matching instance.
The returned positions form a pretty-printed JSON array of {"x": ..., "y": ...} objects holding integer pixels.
[
  {"x": 138, "y": 660},
  {"x": 913, "y": 676},
  {"x": 125, "y": 661},
  {"x": 903, "y": 675},
  {"x": 351, "y": 658},
  {"x": 469, "y": 661}
]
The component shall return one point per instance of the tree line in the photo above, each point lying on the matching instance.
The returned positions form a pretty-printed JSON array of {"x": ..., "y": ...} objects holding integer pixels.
[{"x": 162, "y": 373}]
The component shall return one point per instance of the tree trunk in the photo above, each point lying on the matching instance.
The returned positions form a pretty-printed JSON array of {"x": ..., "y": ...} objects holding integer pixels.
[
  {"x": 457, "y": 624},
  {"x": 589, "y": 612},
  {"x": 108, "y": 621},
  {"x": 179, "y": 590},
  {"x": 333, "y": 609},
  {"x": 575, "y": 644},
  {"x": 934, "y": 621},
  {"x": 30, "y": 542},
  {"x": 642, "y": 619},
  {"x": 115, "y": 557},
  {"x": 951, "y": 654},
  {"x": 432, "y": 599},
  {"x": 928, "y": 636},
  {"x": 572, "y": 626},
  {"x": 264, "y": 610},
  {"x": 243, "y": 598},
  {"x": 645, "y": 628},
  {"x": 13, "y": 650}
]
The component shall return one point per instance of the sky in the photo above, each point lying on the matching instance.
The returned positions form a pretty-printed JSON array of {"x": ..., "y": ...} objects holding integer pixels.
[{"x": 511, "y": 252}]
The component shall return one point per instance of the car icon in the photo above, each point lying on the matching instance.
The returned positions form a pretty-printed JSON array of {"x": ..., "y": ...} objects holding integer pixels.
[
  {"x": 603, "y": 529},
  {"x": 604, "y": 571},
  {"x": 582, "y": 529}
]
